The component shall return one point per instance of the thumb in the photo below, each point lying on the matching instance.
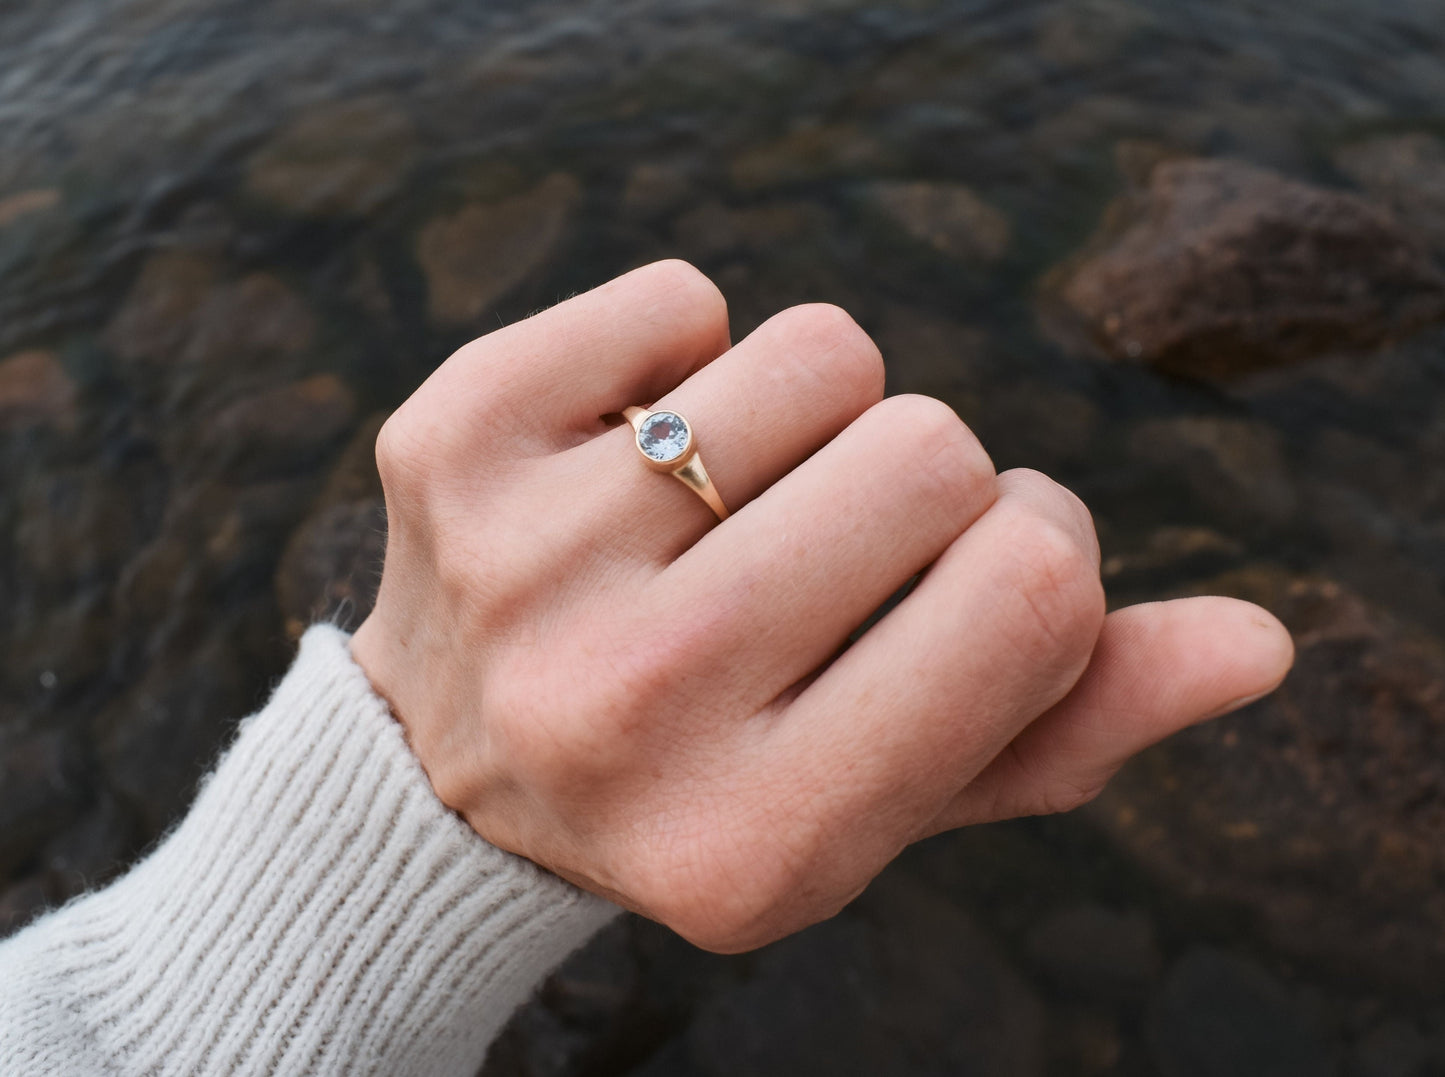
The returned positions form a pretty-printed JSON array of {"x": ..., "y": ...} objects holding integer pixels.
[{"x": 1157, "y": 668}]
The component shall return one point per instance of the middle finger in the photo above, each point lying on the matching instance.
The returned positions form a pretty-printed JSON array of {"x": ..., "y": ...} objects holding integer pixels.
[
  {"x": 757, "y": 411},
  {"x": 772, "y": 593}
]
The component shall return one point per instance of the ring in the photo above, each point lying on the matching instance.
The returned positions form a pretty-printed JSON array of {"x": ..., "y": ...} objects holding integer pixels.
[{"x": 664, "y": 438}]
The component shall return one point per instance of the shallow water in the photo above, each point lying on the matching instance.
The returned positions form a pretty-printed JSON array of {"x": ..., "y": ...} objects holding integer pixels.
[{"x": 205, "y": 203}]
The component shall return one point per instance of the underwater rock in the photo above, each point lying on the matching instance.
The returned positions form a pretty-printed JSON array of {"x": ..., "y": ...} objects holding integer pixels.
[
  {"x": 1235, "y": 466},
  {"x": 59, "y": 651},
  {"x": 155, "y": 742},
  {"x": 1093, "y": 952},
  {"x": 653, "y": 188},
  {"x": 473, "y": 257},
  {"x": 36, "y": 391},
  {"x": 343, "y": 158},
  {"x": 332, "y": 566},
  {"x": 809, "y": 152},
  {"x": 254, "y": 318},
  {"x": 1218, "y": 268},
  {"x": 161, "y": 309},
  {"x": 949, "y": 217},
  {"x": 1087, "y": 33},
  {"x": 713, "y": 228},
  {"x": 1405, "y": 172},
  {"x": 21, "y": 903},
  {"x": 1396, "y": 1048},
  {"x": 212, "y": 537},
  {"x": 180, "y": 310},
  {"x": 1319, "y": 810},
  {"x": 1037, "y": 424},
  {"x": 591, "y": 1007},
  {"x": 78, "y": 522},
  {"x": 1222, "y": 1015},
  {"x": 1168, "y": 554},
  {"x": 45, "y": 790},
  {"x": 900, "y": 976},
  {"x": 277, "y": 431},
  {"x": 937, "y": 356},
  {"x": 24, "y": 203}
]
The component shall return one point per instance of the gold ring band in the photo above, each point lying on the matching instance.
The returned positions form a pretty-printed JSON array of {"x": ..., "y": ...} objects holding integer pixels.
[{"x": 666, "y": 442}]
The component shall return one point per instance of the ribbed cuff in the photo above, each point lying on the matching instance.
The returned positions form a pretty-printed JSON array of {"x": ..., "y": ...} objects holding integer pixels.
[{"x": 317, "y": 911}]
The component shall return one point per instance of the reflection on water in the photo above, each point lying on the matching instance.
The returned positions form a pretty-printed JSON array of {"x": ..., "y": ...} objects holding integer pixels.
[{"x": 233, "y": 235}]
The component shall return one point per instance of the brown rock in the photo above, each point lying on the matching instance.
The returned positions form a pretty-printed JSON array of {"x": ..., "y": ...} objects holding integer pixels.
[
  {"x": 1093, "y": 952},
  {"x": 46, "y": 789},
  {"x": 1318, "y": 811},
  {"x": 332, "y": 562},
  {"x": 75, "y": 522},
  {"x": 155, "y": 742},
  {"x": 811, "y": 151},
  {"x": 212, "y": 535},
  {"x": 1087, "y": 33},
  {"x": 1036, "y": 424},
  {"x": 62, "y": 647},
  {"x": 1135, "y": 159},
  {"x": 1406, "y": 173},
  {"x": 903, "y": 975},
  {"x": 1171, "y": 553},
  {"x": 1229, "y": 463},
  {"x": 159, "y": 313},
  {"x": 948, "y": 217},
  {"x": 1219, "y": 268},
  {"x": 354, "y": 476},
  {"x": 246, "y": 538},
  {"x": 713, "y": 228},
  {"x": 346, "y": 157},
  {"x": 278, "y": 431},
  {"x": 475, "y": 256},
  {"x": 653, "y": 189},
  {"x": 180, "y": 310},
  {"x": 35, "y": 391},
  {"x": 255, "y": 317},
  {"x": 23, "y": 902},
  {"x": 1220, "y": 1014},
  {"x": 24, "y": 203},
  {"x": 332, "y": 566},
  {"x": 925, "y": 353}
]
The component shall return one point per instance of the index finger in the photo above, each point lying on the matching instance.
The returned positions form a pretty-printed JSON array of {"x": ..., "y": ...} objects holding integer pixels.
[{"x": 542, "y": 384}]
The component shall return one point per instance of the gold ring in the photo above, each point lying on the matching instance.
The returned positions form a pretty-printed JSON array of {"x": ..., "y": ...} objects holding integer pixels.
[{"x": 666, "y": 442}]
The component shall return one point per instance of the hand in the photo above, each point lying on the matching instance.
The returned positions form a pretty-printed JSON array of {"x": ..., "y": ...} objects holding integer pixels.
[{"x": 602, "y": 678}]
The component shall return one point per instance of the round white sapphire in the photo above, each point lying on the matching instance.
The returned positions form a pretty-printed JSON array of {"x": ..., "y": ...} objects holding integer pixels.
[{"x": 664, "y": 436}]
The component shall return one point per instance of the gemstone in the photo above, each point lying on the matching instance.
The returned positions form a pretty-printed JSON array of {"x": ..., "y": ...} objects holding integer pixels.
[{"x": 664, "y": 436}]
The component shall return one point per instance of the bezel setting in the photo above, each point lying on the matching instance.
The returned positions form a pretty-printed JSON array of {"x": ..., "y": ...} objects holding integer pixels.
[{"x": 663, "y": 446}]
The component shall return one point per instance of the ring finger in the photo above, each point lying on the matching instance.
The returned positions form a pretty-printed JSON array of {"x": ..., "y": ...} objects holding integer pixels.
[{"x": 757, "y": 411}]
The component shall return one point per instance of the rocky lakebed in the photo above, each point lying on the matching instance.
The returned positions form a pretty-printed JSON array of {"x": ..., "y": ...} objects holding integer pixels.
[{"x": 1188, "y": 258}]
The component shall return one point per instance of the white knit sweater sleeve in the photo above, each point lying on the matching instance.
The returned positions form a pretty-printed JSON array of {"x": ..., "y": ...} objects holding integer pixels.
[{"x": 318, "y": 911}]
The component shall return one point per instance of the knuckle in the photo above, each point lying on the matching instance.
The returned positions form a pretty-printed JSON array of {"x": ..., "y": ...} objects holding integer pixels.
[
  {"x": 410, "y": 445},
  {"x": 945, "y": 455},
  {"x": 391, "y": 449},
  {"x": 1066, "y": 506},
  {"x": 1069, "y": 796},
  {"x": 1055, "y": 787},
  {"x": 835, "y": 347},
  {"x": 717, "y": 908},
  {"x": 675, "y": 280},
  {"x": 1057, "y": 580}
]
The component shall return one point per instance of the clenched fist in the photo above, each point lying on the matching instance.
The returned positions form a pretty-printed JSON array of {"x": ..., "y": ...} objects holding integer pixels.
[{"x": 664, "y": 709}]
